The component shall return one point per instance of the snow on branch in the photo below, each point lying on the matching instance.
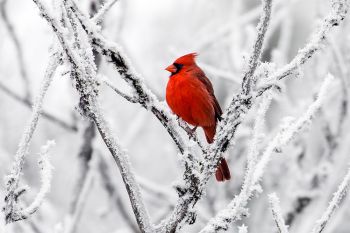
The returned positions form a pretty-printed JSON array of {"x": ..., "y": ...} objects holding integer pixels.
[
  {"x": 46, "y": 177},
  {"x": 338, "y": 13},
  {"x": 83, "y": 73},
  {"x": 225, "y": 132},
  {"x": 338, "y": 196},
  {"x": 123, "y": 65},
  {"x": 291, "y": 129},
  {"x": 12, "y": 180},
  {"x": 243, "y": 229},
  {"x": 277, "y": 213},
  {"x": 257, "y": 48},
  {"x": 129, "y": 98},
  {"x": 104, "y": 9},
  {"x": 79, "y": 29},
  {"x": 237, "y": 208}
]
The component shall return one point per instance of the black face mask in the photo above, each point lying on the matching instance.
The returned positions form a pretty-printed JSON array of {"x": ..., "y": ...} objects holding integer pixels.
[{"x": 178, "y": 68}]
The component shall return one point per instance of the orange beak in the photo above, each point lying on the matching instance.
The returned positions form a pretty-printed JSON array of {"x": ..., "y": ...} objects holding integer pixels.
[{"x": 171, "y": 69}]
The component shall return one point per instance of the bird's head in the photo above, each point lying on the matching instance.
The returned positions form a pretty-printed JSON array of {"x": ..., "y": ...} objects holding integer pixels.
[{"x": 182, "y": 62}]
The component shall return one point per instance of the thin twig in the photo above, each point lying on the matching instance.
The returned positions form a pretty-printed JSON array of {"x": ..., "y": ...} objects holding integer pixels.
[
  {"x": 338, "y": 196},
  {"x": 11, "y": 209},
  {"x": 277, "y": 213}
]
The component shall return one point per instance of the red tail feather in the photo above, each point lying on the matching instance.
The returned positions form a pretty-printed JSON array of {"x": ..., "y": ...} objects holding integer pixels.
[{"x": 222, "y": 172}]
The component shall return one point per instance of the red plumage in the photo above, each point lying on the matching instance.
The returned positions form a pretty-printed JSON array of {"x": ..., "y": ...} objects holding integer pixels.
[{"x": 190, "y": 95}]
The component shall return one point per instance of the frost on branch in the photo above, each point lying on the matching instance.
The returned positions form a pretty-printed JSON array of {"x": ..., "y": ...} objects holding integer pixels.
[
  {"x": 78, "y": 50},
  {"x": 11, "y": 208},
  {"x": 46, "y": 177},
  {"x": 80, "y": 39},
  {"x": 237, "y": 207},
  {"x": 338, "y": 196},
  {"x": 277, "y": 213}
]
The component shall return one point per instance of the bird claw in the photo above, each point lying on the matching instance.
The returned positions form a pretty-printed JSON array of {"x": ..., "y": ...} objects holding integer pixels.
[{"x": 192, "y": 132}]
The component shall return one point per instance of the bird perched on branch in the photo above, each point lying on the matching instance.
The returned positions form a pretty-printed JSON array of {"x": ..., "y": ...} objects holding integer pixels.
[{"x": 190, "y": 95}]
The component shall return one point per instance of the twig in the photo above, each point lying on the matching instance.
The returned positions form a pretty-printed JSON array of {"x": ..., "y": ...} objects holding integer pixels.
[
  {"x": 223, "y": 135},
  {"x": 339, "y": 10},
  {"x": 129, "y": 98},
  {"x": 237, "y": 207},
  {"x": 11, "y": 209},
  {"x": 114, "y": 195},
  {"x": 338, "y": 196},
  {"x": 98, "y": 17},
  {"x": 257, "y": 48},
  {"x": 84, "y": 73},
  {"x": 46, "y": 177},
  {"x": 277, "y": 213},
  {"x": 85, "y": 155},
  {"x": 145, "y": 97}
]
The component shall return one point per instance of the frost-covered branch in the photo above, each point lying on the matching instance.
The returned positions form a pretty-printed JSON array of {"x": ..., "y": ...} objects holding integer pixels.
[
  {"x": 46, "y": 177},
  {"x": 98, "y": 17},
  {"x": 12, "y": 180},
  {"x": 338, "y": 196},
  {"x": 114, "y": 195},
  {"x": 277, "y": 213},
  {"x": 143, "y": 94},
  {"x": 129, "y": 98},
  {"x": 237, "y": 207},
  {"x": 248, "y": 81},
  {"x": 338, "y": 13},
  {"x": 83, "y": 72},
  {"x": 292, "y": 128}
]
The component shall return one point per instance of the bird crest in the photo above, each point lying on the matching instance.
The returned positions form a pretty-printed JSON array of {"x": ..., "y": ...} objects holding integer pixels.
[{"x": 186, "y": 59}]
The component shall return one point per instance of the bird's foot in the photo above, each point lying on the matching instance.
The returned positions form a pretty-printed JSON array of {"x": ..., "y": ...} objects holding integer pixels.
[{"x": 192, "y": 132}]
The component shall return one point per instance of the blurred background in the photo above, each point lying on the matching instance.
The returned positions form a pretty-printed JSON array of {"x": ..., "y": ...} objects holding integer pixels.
[{"x": 154, "y": 33}]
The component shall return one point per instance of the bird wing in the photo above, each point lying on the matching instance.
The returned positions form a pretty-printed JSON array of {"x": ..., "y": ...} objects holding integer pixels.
[{"x": 200, "y": 75}]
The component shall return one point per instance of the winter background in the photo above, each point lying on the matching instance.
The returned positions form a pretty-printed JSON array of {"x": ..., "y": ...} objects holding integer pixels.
[{"x": 88, "y": 195}]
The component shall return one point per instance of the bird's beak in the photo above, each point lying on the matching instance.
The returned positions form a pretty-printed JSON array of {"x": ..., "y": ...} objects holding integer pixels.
[{"x": 171, "y": 69}]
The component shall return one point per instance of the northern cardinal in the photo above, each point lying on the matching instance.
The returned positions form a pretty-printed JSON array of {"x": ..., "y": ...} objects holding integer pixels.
[{"x": 190, "y": 95}]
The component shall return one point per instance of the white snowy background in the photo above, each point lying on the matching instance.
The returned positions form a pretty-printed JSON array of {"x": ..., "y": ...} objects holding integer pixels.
[{"x": 153, "y": 33}]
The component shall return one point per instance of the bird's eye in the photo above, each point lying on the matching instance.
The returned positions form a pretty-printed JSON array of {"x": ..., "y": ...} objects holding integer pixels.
[{"x": 178, "y": 67}]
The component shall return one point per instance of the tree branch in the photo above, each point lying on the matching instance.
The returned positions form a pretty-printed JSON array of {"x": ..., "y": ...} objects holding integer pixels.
[
  {"x": 12, "y": 180},
  {"x": 277, "y": 213}
]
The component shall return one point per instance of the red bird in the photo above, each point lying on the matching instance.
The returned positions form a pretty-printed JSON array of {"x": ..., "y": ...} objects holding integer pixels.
[{"x": 190, "y": 95}]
